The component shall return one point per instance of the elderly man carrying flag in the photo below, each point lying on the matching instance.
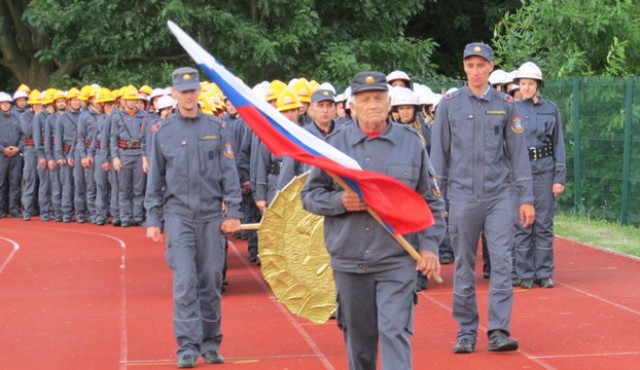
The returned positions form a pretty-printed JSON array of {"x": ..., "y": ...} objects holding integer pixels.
[{"x": 374, "y": 277}]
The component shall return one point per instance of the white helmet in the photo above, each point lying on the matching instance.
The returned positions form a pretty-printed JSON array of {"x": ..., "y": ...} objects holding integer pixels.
[
  {"x": 510, "y": 77},
  {"x": 164, "y": 101},
  {"x": 20, "y": 94},
  {"x": 327, "y": 86},
  {"x": 404, "y": 96},
  {"x": 529, "y": 70},
  {"x": 451, "y": 90},
  {"x": 340, "y": 98},
  {"x": 157, "y": 92},
  {"x": 398, "y": 75},
  {"x": 498, "y": 77},
  {"x": 4, "y": 97},
  {"x": 421, "y": 89}
]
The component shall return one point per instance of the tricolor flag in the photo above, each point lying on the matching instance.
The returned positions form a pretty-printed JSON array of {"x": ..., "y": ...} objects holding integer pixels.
[{"x": 401, "y": 208}]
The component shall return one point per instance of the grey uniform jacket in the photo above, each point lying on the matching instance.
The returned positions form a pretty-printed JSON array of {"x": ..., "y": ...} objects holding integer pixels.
[
  {"x": 543, "y": 127},
  {"x": 87, "y": 126},
  {"x": 10, "y": 133},
  {"x": 39, "y": 128},
  {"x": 476, "y": 143},
  {"x": 354, "y": 240},
  {"x": 65, "y": 133},
  {"x": 192, "y": 171},
  {"x": 292, "y": 168}
]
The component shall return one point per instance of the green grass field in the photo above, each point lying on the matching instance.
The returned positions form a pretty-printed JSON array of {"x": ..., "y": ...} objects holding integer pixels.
[{"x": 604, "y": 234}]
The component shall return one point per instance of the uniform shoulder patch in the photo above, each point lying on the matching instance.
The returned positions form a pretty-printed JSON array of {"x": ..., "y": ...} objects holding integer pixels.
[
  {"x": 516, "y": 125},
  {"x": 447, "y": 96},
  {"x": 508, "y": 98},
  {"x": 155, "y": 127},
  {"x": 228, "y": 150}
]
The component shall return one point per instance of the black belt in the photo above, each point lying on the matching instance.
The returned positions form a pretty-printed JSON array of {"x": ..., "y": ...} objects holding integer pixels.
[
  {"x": 539, "y": 152},
  {"x": 274, "y": 168}
]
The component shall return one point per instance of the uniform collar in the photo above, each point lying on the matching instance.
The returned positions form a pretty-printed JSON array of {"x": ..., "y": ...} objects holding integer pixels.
[
  {"x": 355, "y": 135},
  {"x": 485, "y": 96}
]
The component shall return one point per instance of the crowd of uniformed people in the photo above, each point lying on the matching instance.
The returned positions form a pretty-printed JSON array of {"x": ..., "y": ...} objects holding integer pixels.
[{"x": 81, "y": 155}]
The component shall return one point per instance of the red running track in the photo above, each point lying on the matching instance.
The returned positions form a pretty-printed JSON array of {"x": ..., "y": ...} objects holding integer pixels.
[{"x": 87, "y": 297}]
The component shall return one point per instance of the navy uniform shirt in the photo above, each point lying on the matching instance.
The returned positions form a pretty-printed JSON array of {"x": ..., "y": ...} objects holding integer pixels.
[
  {"x": 476, "y": 143},
  {"x": 541, "y": 120},
  {"x": 355, "y": 241},
  {"x": 192, "y": 171}
]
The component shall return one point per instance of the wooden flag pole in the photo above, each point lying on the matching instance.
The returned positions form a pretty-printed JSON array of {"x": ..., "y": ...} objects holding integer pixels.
[{"x": 398, "y": 238}]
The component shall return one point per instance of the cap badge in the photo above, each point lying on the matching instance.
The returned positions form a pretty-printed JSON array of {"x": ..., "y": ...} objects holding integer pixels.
[
  {"x": 186, "y": 77},
  {"x": 477, "y": 49},
  {"x": 325, "y": 93},
  {"x": 369, "y": 80}
]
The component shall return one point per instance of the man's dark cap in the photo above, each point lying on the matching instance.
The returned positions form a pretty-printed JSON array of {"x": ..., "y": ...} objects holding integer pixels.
[
  {"x": 369, "y": 81},
  {"x": 185, "y": 78},
  {"x": 478, "y": 49},
  {"x": 323, "y": 95}
]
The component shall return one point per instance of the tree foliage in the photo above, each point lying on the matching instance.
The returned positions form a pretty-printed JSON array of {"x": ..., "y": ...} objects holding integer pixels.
[
  {"x": 572, "y": 37},
  {"x": 114, "y": 42}
]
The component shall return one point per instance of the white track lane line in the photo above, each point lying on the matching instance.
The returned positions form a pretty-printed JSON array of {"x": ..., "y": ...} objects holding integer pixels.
[
  {"x": 314, "y": 347},
  {"x": 483, "y": 329},
  {"x": 124, "y": 341},
  {"x": 16, "y": 247}
]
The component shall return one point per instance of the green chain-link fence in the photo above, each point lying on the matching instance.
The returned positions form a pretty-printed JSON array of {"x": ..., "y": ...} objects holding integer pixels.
[{"x": 602, "y": 136}]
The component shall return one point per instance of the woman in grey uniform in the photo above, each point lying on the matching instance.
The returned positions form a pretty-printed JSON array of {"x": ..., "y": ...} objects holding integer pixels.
[{"x": 543, "y": 130}]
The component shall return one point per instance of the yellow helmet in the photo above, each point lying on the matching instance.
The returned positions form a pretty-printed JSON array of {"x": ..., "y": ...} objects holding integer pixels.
[
  {"x": 34, "y": 97},
  {"x": 104, "y": 96},
  {"x": 275, "y": 88},
  {"x": 288, "y": 100},
  {"x": 59, "y": 95},
  {"x": 302, "y": 89},
  {"x": 314, "y": 85},
  {"x": 48, "y": 96},
  {"x": 24, "y": 88},
  {"x": 205, "y": 106},
  {"x": 145, "y": 89},
  {"x": 73, "y": 93},
  {"x": 87, "y": 92},
  {"x": 130, "y": 93}
]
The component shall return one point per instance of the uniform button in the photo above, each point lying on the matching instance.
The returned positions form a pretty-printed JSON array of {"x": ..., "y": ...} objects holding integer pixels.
[
  {"x": 368, "y": 159},
  {"x": 367, "y": 228},
  {"x": 367, "y": 251}
]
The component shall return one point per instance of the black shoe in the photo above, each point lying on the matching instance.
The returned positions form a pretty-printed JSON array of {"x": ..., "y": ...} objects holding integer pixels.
[
  {"x": 81, "y": 220},
  {"x": 258, "y": 263},
  {"x": 116, "y": 222},
  {"x": 515, "y": 281},
  {"x": 526, "y": 284},
  {"x": 126, "y": 223},
  {"x": 464, "y": 345},
  {"x": 213, "y": 357},
  {"x": 499, "y": 341},
  {"x": 187, "y": 362},
  {"x": 66, "y": 219},
  {"x": 253, "y": 258},
  {"x": 26, "y": 217},
  {"x": 486, "y": 274},
  {"x": 446, "y": 260},
  {"x": 58, "y": 218},
  {"x": 100, "y": 221},
  {"x": 15, "y": 215},
  {"x": 546, "y": 283}
]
